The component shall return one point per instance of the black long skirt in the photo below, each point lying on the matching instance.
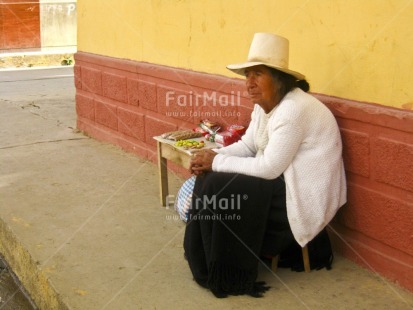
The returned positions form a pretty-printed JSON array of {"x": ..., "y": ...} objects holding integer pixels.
[{"x": 233, "y": 219}]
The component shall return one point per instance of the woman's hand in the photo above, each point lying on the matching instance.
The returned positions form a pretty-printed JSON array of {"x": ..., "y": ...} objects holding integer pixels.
[{"x": 202, "y": 162}]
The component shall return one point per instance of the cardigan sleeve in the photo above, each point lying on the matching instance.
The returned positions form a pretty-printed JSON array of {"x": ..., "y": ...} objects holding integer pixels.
[{"x": 283, "y": 144}]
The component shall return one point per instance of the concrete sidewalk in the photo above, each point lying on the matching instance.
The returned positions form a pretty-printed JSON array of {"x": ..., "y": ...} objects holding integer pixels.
[{"x": 82, "y": 227}]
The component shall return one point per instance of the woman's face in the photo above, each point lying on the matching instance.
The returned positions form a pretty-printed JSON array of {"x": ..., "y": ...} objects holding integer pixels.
[{"x": 261, "y": 86}]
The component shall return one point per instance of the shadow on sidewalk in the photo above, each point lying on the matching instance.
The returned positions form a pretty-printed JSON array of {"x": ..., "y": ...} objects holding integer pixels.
[{"x": 12, "y": 294}]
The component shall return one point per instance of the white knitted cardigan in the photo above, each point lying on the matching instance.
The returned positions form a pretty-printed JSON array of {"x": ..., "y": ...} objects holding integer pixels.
[{"x": 304, "y": 144}]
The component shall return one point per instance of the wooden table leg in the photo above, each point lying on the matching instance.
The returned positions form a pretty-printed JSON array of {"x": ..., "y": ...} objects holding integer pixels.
[
  {"x": 163, "y": 175},
  {"x": 306, "y": 259}
]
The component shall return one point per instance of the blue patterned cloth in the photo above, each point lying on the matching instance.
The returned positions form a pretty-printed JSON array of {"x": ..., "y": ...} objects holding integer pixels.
[{"x": 184, "y": 197}]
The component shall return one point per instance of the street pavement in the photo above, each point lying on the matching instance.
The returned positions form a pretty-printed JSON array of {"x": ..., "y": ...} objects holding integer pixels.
[
  {"x": 82, "y": 227},
  {"x": 22, "y": 89},
  {"x": 33, "y": 74}
]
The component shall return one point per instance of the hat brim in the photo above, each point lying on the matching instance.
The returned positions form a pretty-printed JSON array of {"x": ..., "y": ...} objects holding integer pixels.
[{"x": 240, "y": 68}]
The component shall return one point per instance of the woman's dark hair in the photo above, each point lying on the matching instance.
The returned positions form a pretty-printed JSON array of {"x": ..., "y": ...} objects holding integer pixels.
[{"x": 287, "y": 82}]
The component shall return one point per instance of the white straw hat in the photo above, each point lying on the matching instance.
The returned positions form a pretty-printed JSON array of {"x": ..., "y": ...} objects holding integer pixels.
[{"x": 269, "y": 50}]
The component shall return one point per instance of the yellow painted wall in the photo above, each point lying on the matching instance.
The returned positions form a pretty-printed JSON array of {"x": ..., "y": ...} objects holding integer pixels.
[{"x": 360, "y": 50}]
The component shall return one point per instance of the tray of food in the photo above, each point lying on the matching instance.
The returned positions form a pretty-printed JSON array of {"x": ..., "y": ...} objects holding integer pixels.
[
  {"x": 180, "y": 135},
  {"x": 186, "y": 140}
]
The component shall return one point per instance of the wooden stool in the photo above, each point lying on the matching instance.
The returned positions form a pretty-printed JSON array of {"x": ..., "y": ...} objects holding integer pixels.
[{"x": 306, "y": 260}]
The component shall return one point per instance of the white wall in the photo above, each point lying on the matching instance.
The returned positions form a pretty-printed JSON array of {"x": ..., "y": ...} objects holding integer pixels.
[{"x": 58, "y": 26}]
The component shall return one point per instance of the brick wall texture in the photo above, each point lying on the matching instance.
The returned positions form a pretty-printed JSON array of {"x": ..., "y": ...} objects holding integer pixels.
[{"x": 127, "y": 103}]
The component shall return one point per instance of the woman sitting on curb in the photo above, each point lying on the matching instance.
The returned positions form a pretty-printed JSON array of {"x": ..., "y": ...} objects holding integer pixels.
[{"x": 285, "y": 175}]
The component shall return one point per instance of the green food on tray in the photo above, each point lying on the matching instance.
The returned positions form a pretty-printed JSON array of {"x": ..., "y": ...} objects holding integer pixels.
[{"x": 190, "y": 144}]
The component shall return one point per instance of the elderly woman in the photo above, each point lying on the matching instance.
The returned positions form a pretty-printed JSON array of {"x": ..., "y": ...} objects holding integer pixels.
[{"x": 282, "y": 183}]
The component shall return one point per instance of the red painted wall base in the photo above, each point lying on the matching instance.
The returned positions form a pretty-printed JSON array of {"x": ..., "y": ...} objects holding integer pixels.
[
  {"x": 20, "y": 24},
  {"x": 127, "y": 103}
]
